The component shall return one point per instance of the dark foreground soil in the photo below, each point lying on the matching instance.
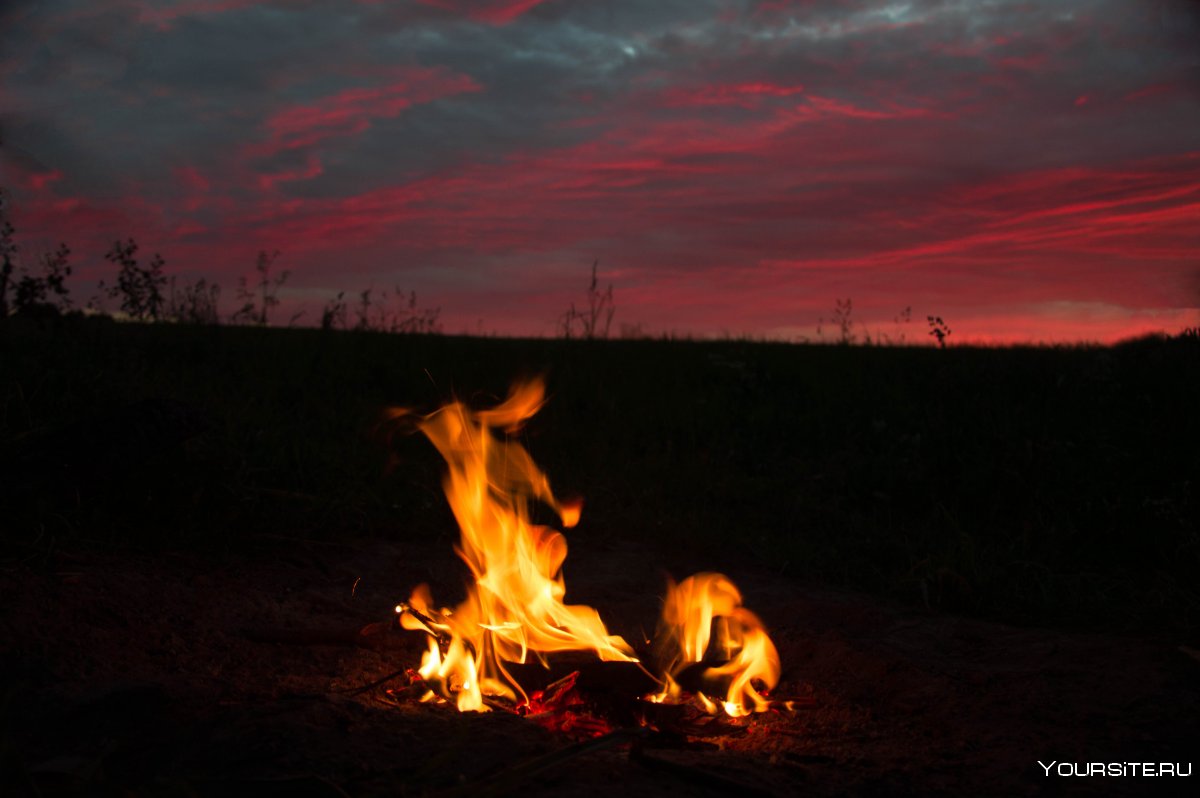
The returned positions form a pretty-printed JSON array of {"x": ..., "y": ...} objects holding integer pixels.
[{"x": 144, "y": 676}]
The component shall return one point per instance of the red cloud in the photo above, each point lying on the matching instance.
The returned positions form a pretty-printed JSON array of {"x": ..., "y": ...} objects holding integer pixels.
[
  {"x": 163, "y": 17},
  {"x": 39, "y": 180},
  {"x": 351, "y": 111},
  {"x": 191, "y": 178},
  {"x": 312, "y": 168},
  {"x": 496, "y": 12},
  {"x": 742, "y": 94}
]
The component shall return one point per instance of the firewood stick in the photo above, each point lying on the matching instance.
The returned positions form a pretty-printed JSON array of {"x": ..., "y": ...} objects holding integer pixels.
[{"x": 442, "y": 638}]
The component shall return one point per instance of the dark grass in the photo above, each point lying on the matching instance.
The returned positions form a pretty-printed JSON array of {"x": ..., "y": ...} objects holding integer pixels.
[{"x": 1050, "y": 486}]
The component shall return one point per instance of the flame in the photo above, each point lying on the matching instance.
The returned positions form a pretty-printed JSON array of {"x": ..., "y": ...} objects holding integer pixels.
[
  {"x": 514, "y": 608},
  {"x": 703, "y": 620}
]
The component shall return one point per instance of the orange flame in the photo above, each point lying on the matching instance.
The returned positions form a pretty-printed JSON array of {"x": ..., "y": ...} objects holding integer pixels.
[
  {"x": 703, "y": 620},
  {"x": 514, "y": 609}
]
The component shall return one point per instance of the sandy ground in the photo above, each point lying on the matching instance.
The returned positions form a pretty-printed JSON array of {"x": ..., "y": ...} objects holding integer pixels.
[{"x": 143, "y": 676}]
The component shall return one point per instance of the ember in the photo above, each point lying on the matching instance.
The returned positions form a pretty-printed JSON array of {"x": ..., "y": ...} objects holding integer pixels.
[{"x": 709, "y": 649}]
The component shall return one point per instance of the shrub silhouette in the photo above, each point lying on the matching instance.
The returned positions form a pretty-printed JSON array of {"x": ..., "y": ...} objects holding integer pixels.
[
  {"x": 258, "y": 299},
  {"x": 140, "y": 288},
  {"x": 195, "y": 303},
  {"x": 596, "y": 319},
  {"x": 842, "y": 308},
  {"x": 8, "y": 262},
  {"x": 375, "y": 315},
  {"x": 333, "y": 315},
  {"x": 939, "y": 330},
  {"x": 45, "y": 293}
]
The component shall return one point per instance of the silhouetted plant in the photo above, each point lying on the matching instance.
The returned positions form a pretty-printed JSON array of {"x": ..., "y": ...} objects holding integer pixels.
[
  {"x": 8, "y": 262},
  {"x": 939, "y": 330},
  {"x": 196, "y": 303},
  {"x": 47, "y": 291},
  {"x": 596, "y": 319},
  {"x": 903, "y": 318},
  {"x": 258, "y": 299},
  {"x": 138, "y": 287},
  {"x": 333, "y": 315},
  {"x": 412, "y": 319},
  {"x": 634, "y": 331},
  {"x": 405, "y": 317},
  {"x": 842, "y": 309},
  {"x": 363, "y": 311},
  {"x": 841, "y": 317}
]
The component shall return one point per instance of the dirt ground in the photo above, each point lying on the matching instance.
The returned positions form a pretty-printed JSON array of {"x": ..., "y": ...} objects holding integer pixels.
[{"x": 192, "y": 675}]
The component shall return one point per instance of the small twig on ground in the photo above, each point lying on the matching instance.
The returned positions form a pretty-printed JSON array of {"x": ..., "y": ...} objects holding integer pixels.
[
  {"x": 380, "y": 682},
  {"x": 793, "y": 704}
]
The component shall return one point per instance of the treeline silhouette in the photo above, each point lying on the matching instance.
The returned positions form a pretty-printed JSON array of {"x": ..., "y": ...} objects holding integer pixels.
[{"x": 144, "y": 292}]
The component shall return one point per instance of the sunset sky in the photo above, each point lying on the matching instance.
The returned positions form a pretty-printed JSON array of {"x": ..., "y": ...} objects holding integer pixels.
[{"x": 1027, "y": 170}]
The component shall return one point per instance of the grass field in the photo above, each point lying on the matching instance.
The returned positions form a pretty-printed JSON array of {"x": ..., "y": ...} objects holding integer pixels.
[{"x": 1050, "y": 486}]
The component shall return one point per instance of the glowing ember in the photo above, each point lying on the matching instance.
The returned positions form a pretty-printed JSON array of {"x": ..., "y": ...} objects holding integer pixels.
[{"x": 514, "y": 609}]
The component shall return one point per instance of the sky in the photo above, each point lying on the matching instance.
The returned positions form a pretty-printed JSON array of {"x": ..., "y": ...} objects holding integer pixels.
[{"x": 1028, "y": 171}]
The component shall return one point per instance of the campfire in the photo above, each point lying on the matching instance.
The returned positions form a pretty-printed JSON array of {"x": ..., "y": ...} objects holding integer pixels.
[{"x": 709, "y": 652}]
